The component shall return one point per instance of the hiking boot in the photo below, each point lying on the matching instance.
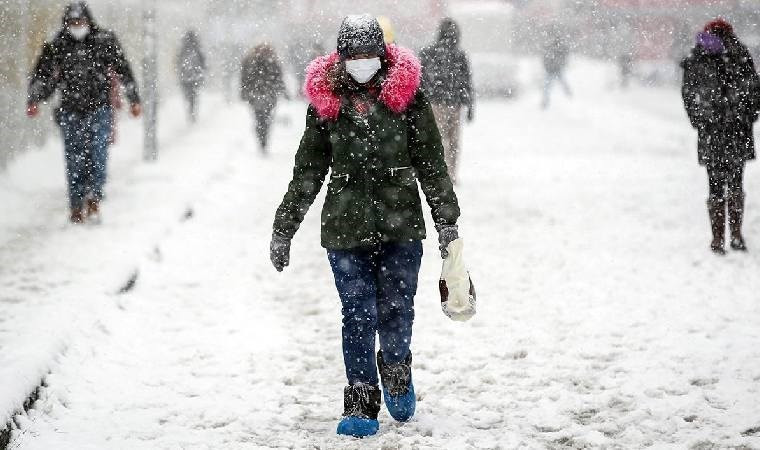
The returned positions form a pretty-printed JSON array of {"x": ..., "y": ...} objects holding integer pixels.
[
  {"x": 77, "y": 216},
  {"x": 735, "y": 217},
  {"x": 716, "y": 207},
  {"x": 361, "y": 404},
  {"x": 93, "y": 208},
  {"x": 398, "y": 389}
]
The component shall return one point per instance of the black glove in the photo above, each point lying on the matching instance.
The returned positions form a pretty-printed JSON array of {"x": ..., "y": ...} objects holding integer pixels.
[
  {"x": 446, "y": 234},
  {"x": 279, "y": 252}
]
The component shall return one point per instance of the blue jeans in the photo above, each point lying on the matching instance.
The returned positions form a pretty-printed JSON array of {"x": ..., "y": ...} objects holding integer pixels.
[
  {"x": 85, "y": 141},
  {"x": 549, "y": 80},
  {"x": 377, "y": 287}
]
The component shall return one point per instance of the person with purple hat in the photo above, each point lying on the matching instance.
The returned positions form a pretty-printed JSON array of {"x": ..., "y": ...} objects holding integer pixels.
[{"x": 721, "y": 94}]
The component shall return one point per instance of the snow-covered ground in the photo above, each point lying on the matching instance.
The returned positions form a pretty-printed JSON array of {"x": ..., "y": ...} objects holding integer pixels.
[{"x": 604, "y": 320}]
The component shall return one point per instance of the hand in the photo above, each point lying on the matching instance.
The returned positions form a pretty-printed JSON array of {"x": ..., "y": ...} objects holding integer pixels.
[
  {"x": 279, "y": 252},
  {"x": 32, "y": 110},
  {"x": 135, "y": 109},
  {"x": 470, "y": 114},
  {"x": 446, "y": 235}
]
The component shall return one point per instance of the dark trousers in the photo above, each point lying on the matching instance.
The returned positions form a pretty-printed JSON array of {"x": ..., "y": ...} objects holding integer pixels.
[
  {"x": 85, "y": 139},
  {"x": 549, "y": 80},
  {"x": 263, "y": 112},
  {"x": 191, "y": 97},
  {"x": 725, "y": 178},
  {"x": 377, "y": 288}
]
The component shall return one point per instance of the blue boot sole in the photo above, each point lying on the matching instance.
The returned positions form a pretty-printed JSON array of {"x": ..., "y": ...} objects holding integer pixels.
[
  {"x": 358, "y": 427},
  {"x": 401, "y": 407}
]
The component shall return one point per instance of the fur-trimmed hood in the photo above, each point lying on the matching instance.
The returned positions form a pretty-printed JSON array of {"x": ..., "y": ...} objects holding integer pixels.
[{"x": 397, "y": 91}]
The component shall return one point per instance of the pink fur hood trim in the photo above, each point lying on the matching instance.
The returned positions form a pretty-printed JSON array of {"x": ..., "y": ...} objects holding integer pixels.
[{"x": 396, "y": 93}]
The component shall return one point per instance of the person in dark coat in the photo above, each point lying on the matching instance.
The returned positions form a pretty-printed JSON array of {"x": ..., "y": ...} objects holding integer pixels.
[
  {"x": 261, "y": 84},
  {"x": 447, "y": 82},
  {"x": 78, "y": 63},
  {"x": 191, "y": 68},
  {"x": 373, "y": 130},
  {"x": 721, "y": 94},
  {"x": 556, "y": 55}
]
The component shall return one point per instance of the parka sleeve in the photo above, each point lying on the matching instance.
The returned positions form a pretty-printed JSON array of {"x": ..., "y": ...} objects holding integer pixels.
[
  {"x": 689, "y": 94},
  {"x": 43, "y": 80},
  {"x": 468, "y": 93},
  {"x": 121, "y": 66},
  {"x": 426, "y": 151},
  {"x": 311, "y": 166},
  {"x": 751, "y": 100}
]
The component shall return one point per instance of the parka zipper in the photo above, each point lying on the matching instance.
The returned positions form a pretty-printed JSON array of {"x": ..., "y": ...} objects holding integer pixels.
[
  {"x": 346, "y": 176},
  {"x": 396, "y": 169}
]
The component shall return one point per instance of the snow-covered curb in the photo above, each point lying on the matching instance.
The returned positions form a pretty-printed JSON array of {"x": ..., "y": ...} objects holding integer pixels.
[{"x": 55, "y": 279}]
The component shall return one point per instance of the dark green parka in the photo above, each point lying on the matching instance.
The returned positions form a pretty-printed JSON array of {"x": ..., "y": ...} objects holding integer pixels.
[{"x": 374, "y": 159}]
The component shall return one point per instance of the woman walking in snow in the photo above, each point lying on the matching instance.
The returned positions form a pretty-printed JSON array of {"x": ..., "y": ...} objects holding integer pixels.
[
  {"x": 371, "y": 127},
  {"x": 721, "y": 93}
]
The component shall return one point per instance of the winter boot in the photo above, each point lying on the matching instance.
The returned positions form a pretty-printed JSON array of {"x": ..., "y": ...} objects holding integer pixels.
[
  {"x": 77, "y": 216},
  {"x": 93, "y": 210},
  {"x": 735, "y": 216},
  {"x": 717, "y": 209},
  {"x": 361, "y": 403},
  {"x": 398, "y": 389}
]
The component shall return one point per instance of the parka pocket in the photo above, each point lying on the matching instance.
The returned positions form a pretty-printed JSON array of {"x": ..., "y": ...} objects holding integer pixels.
[
  {"x": 400, "y": 192},
  {"x": 338, "y": 182},
  {"x": 402, "y": 176}
]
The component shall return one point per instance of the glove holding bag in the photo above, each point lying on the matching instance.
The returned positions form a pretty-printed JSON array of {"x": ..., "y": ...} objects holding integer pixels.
[{"x": 457, "y": 291}]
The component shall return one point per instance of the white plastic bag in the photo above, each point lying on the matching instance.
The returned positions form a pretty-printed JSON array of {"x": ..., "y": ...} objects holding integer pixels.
[{"x": 457, "y": 291}]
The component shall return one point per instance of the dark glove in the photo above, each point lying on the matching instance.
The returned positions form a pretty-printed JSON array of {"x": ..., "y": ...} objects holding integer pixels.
[
  {"x": 279, "y": 252},
  {"x": 446, "y": 235},
  {"x": 470, "y": 114}
]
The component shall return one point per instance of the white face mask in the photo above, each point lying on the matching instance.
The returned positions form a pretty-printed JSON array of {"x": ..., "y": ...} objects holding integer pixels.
[
  {"x": 362, "y": 70},
  {"x": 79, "y": 32}
]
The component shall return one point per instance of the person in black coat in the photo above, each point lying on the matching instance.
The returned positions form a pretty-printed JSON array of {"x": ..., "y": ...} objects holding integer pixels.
[
  {"x": 447, "y": 82},
  {"x": 721, "y": 94},
  {"x": 556, "y": 55},
  {"x": 191, "y": 68},
  {"x": 78, "y": 63},
  {"x": 261, "y": 83}
]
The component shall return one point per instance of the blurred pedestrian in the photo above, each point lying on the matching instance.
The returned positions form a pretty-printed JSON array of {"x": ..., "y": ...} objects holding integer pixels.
[
  {"x": 261, "y": 84},
  {"x": 625, "y": 65},
  {"x": 374, "y": 131},
  {"x": 191, "y": 68},
  {"x": 447, "y": 82},
  {"x": 621, "y": 44},
  {"x": 556, "y": 54},
  {"x": 77, "y": 63},
  {"x": 721, "y": 94},
  {"x": 389, "y": 33}
]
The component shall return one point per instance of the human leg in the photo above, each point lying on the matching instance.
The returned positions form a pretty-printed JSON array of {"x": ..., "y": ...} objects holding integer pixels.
[
  {"x": 735, "y": 203},
  {"x": 397, "y": 286},
  {"x": 74, "y": 142},
  {"x": 355, "y": 274},
  {"x": 716, "y": 206}
]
